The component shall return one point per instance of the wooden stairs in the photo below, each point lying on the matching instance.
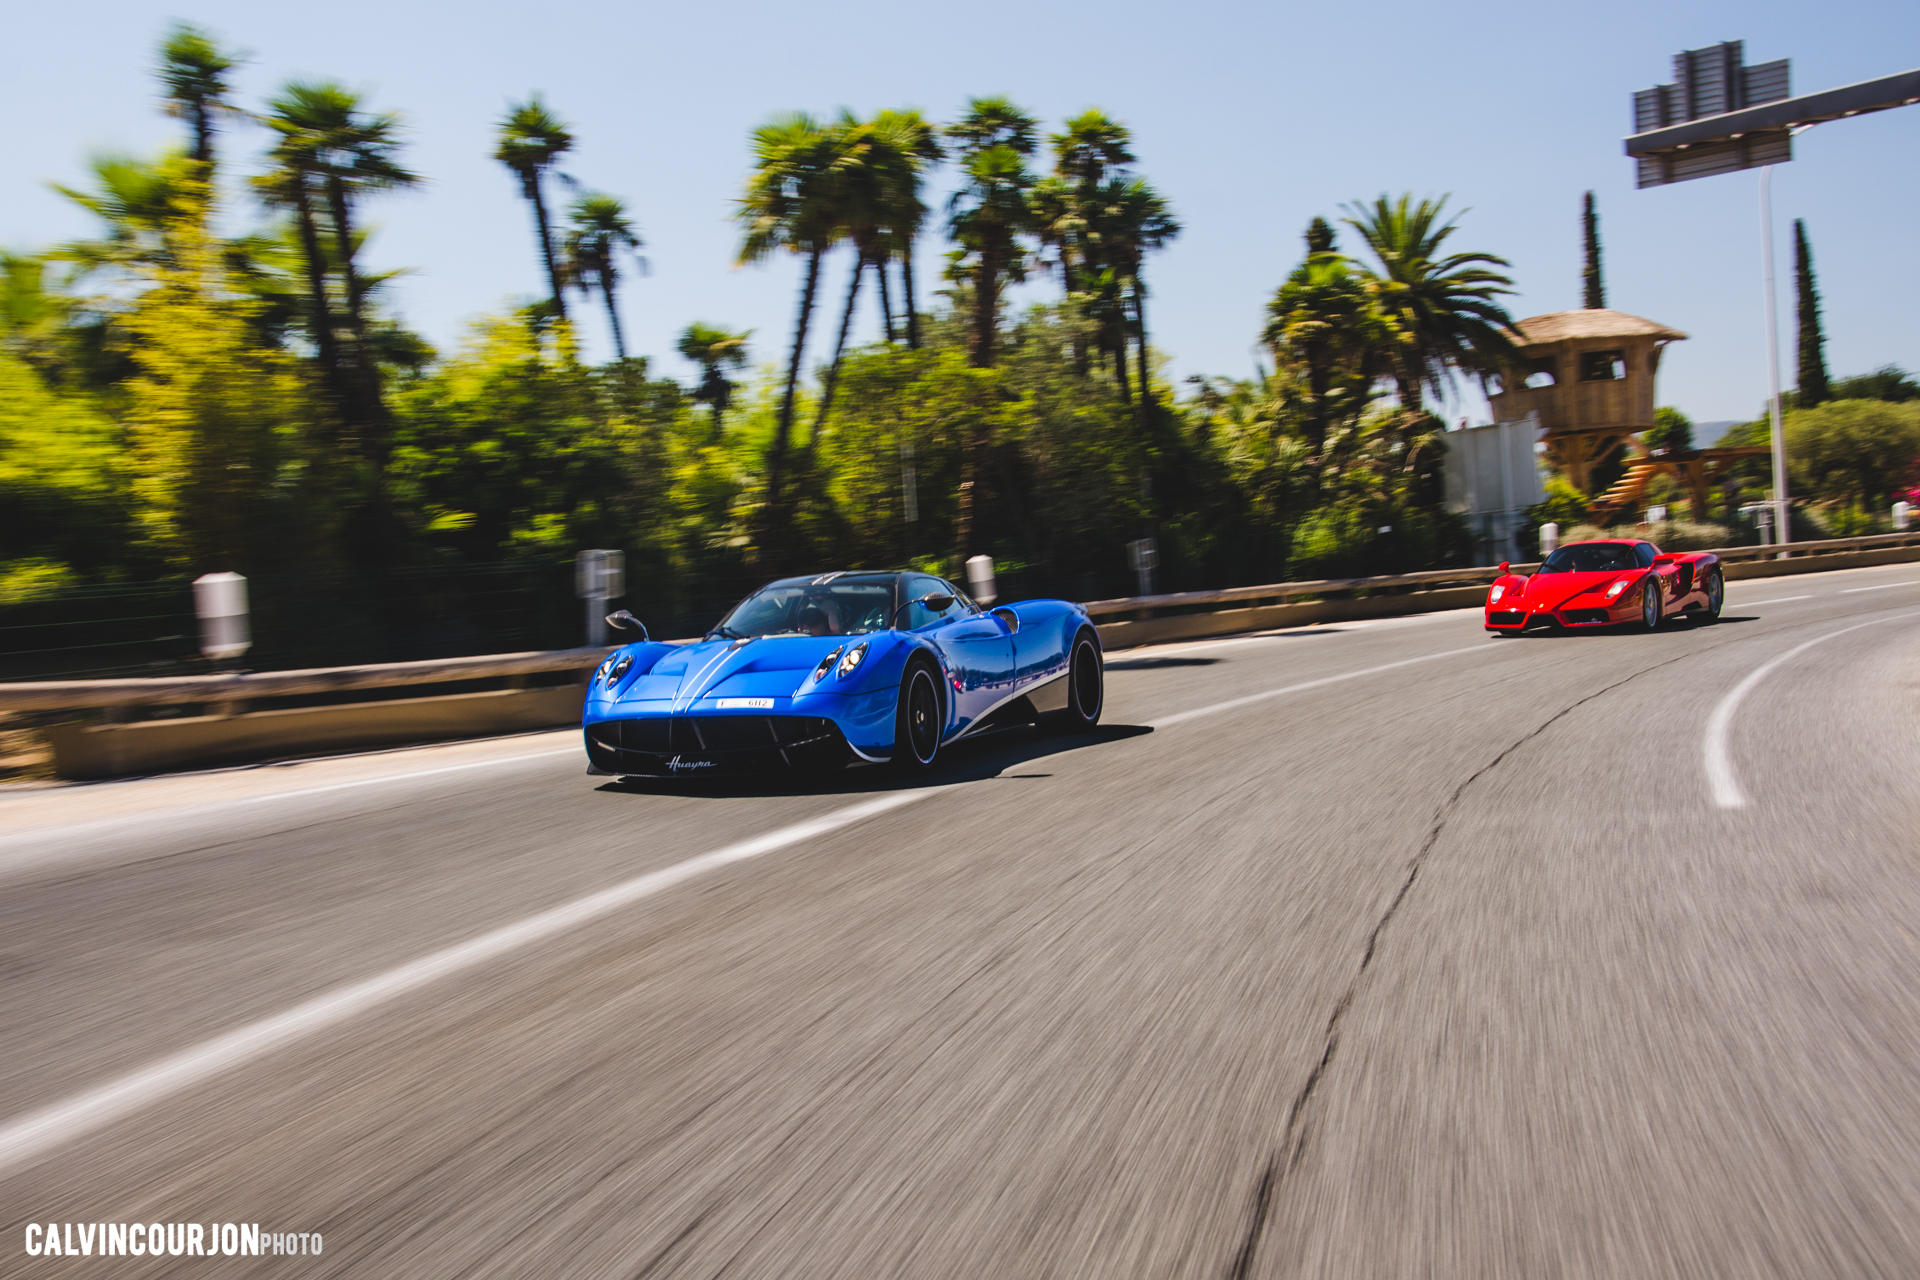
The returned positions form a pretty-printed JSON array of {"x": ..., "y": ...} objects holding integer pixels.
[{"x": 1625, "y": 493}]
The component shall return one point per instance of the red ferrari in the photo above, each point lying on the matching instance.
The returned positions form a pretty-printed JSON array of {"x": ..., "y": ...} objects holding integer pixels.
[{"x": 1607, "y": 582}]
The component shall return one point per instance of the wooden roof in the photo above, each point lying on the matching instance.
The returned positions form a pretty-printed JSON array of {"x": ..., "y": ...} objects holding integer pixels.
[{"x": 1596, "y": 322}]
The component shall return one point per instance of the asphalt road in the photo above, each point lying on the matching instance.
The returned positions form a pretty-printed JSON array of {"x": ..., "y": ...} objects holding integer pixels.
[{"x": 1384, "y": 949}]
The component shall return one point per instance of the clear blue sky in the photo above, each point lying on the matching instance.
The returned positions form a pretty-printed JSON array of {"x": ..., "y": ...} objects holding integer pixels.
[{"x": 1250, "y": 117}]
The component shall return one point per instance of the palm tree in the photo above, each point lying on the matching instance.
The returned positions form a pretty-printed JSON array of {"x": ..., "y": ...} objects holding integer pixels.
[
  {"x": 1092, "y": 145},
  {"x": 1131, "y": 221},
  {"x": 912, "y": 147},
  {"x": 599, "y": 232},
  {"x": 531, "y": 139},
  {"x": 791, "y": 203},
  {"x": 137, "y": 200},
  {"x": 1323, "y": 322},
  {"x": 714, "y": 349},
  {"x": 332, "y": 154},
  {"x": 289, "y": 186},
  {"x": 1444, "y": 310},
  {"x": 991, "y": 215},
  {"x": 194, "y": 70}
]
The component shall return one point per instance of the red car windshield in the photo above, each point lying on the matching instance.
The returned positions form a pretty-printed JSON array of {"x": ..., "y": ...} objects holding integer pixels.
[{"x": 1591, "y": 557}]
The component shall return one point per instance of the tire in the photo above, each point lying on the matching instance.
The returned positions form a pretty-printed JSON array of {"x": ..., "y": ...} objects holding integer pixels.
[
  {"x": 917, "y": 723},
  {"x": 1650, "y": 604},
  {"x": 1716, "y": 597},
  {"x": 1086, "y": 687}
]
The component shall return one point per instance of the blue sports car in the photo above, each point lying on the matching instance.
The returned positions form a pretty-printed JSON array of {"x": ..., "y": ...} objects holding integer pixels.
[{"x": 836, "y": 669}]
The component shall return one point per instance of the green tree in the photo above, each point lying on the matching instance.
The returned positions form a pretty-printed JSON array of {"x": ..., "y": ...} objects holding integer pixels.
[
  {"x": 1593, "y": 290},
  {"x": 194, "y": 68},
  {"x": 601, "y": 231},
  {"x": 1890, "y": 383},
  {"x": 331, "y": 155},
  {"x": 1812, "y": 389},
  {"x": 1444, "y": 310},
  {"x": 913, "y": 147},
  {"x": 791, "y": 203},
  {"x": 1323, "y": 323},
  {"x": 531, "y": 139},
  {"x": 1854, "y": 451},
  {"x": 210, "y": 415},
  {"x": 1672, "y": 430},
  {"x": 990, "y": 217},
  {"x": 714, "y": 349}
]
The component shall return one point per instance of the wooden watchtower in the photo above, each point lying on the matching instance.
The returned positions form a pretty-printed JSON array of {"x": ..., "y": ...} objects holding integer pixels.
[{"x": 1590, "y": 376}]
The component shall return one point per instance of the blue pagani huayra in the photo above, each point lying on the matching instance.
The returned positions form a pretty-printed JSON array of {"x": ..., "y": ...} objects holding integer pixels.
[{"x": 837, "y": 669}]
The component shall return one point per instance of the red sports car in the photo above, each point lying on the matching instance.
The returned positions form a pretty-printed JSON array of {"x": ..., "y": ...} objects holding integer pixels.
[{"x": 1606, "y": 582}]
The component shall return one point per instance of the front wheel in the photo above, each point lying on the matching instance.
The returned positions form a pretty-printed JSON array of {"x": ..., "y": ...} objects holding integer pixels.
[
  {"x": 1650, "y": 604},
  {"x": 1716, "y": 596},
  {"x": 1086, "y": 687},
  {"x": 917, "y": 723}
]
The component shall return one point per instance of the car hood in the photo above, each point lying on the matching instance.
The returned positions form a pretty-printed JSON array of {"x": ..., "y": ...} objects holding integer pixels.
[
  {"x": 766, "y": 666},
  {"x": 1551, "y": 590}
]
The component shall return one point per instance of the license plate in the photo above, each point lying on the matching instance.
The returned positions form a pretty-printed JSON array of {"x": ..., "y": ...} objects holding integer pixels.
[{"x": 744, "y": 704}]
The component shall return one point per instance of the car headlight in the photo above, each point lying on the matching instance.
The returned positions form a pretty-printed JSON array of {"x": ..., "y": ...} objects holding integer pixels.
[
  {"x": 855, "y": 656},
  {"x": 1499, "y": 589},
  {"x": 826, "y": 663},
  {"x": 619, "y": 667},
  {"x": 1620, "y": 584}
]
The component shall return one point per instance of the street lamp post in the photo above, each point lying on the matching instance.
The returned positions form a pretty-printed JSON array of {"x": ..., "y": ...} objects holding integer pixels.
[
  {"x": 1780, "y": 521},
  {"x": 1720, "y": 116}
]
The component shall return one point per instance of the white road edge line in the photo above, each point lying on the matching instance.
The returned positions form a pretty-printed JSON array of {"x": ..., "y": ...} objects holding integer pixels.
[
  {"x": 1233, "y": 703},
  {"x": 1881, "y": 587},
  {"x": 1750, "y": 604},
  {"x": 1717, "y": 757},
  {"x": 34, "y": 1134}
]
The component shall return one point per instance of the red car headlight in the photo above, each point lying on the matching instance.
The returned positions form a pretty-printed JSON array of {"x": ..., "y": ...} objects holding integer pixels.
[
  {"x": 1619, "y": 585},
  {"x": 1499, "y": 589}
]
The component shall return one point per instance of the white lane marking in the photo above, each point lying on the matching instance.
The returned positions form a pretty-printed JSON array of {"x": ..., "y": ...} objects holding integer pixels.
[
  {"x": 34, "y": 1134},
  {"x": 1749, "y": 604},
  {"x": 1233, "y": 703},
  {"x": 1716, "y": 756},
  {"x": 220, "y": 806},
  {"x": 1882, "y": 587}
]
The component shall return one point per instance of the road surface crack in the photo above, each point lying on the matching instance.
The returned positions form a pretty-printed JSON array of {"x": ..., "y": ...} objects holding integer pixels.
[{"x": 1293, "y": 1135}]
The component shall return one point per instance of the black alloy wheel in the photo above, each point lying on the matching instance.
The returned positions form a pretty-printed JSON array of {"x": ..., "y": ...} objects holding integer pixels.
[
  {"x": 1650, "y": 603},
  {"x": 916, "y": 731},
  {"x": 1086, "y": 686},
  {"x": 1716, "y": 597}
]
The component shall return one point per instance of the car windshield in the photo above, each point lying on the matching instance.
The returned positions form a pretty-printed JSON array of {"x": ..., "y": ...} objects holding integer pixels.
[
  {"x": 812, "y": 609},
  {"x": 1591, "y": 557}
]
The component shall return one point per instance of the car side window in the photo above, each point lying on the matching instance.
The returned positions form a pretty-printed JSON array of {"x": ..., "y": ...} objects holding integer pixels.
[
  {"x": 1643, "y": 554},
  {"x": 918, "y": 615}
]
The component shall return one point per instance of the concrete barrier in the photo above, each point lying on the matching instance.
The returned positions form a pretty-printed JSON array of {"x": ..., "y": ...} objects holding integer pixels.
[{"x": 87, "y": 751}]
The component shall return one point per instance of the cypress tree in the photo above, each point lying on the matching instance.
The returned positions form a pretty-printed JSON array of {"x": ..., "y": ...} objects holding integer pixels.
[
  {"x": 1319, "y": 236},
  {"x": 1813, "y": 388},
  {"x": 1596, "y": 292}
]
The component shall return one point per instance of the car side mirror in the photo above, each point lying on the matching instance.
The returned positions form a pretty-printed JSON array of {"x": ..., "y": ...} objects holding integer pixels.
[
  {"x": 1009, "y": 617},
  {"x": 938, "y": 601},
  {"x": 1503, "y": 568},
  {"x": 1664, "y": 558},
  {"x": 624, "y": 621}
]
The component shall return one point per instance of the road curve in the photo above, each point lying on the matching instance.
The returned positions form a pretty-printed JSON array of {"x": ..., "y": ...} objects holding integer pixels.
[{"x": 1368, "y": 949}]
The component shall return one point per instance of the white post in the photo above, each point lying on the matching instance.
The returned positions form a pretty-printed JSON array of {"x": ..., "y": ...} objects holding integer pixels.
[
  {"x": 1549, "y": 539},
  {"x": 599, "y": 576},
  {"x": 220, "y": 599},
  {"x": 980, "y": 579},
  {"x": 1784, "y": 533},
  {"x": 1901, "y": 513}
]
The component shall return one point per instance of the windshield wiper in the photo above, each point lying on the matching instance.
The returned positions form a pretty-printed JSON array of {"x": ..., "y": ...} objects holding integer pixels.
[{"x": 725, "y": 632}]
